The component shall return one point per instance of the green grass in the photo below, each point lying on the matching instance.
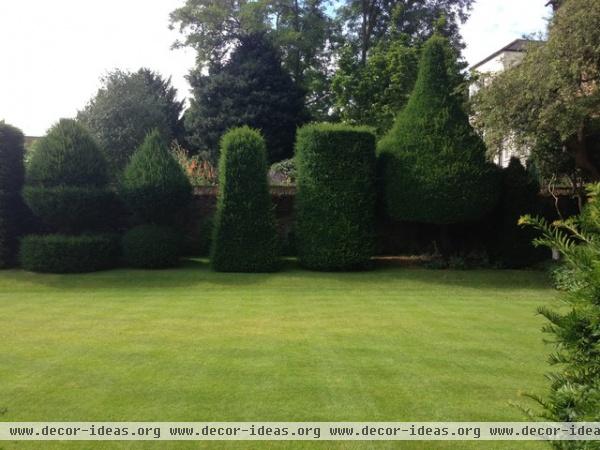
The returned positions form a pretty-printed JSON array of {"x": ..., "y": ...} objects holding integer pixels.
[{"x": 192, "y": 345}]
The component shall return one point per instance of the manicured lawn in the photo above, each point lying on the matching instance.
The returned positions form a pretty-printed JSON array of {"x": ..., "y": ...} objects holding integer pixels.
[{"x": 190, "y": 345}]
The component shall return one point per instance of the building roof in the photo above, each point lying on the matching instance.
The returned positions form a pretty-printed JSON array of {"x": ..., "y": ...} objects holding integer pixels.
[{"x": 516, "y": 46}]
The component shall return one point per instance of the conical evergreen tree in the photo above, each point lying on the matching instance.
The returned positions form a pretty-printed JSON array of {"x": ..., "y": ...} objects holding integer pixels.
[{"x": 432, "y": 163}]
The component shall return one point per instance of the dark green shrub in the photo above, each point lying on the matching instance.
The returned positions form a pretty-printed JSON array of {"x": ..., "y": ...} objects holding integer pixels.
[
  {"x": 152, "y": 247},
  {"x": 335, "y": 203},
  {"x": 11, "y": 182},
  {"x": 67, "y": 155},
  {"x": 72, "y": 209},
  {"x": 57, "y": 253},
  {"x": 12, "y": 149},
  {"x": 66, "y": 188},
  {"x": 510, "y": 244},
  {"x": 154, "y": 185},
  {"x": 245, "y": 237},
  {"x": 432, "y": 163}
]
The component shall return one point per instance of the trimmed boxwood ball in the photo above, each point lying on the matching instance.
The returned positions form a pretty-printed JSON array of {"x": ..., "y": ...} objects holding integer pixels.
[
  {"x": 58, "y": 253},
  {"x": 432, "y": 163},
  {"x": 154, "y": 186},
  {"x": 67, "y": 155},
  {"x": 245, "y": 237},
  {"x": 72, "y": 208},
  {"x": 152, "y": 247},
  {"x": 12, "y": 175},
  {"x": 335, "y": 203}
]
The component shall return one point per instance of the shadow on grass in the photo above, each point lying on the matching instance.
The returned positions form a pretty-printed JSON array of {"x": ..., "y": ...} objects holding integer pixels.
[{"x": 196, "y": 273}]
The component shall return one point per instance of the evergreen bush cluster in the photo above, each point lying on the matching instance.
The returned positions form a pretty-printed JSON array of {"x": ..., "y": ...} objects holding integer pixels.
[
  {"x": 335, "y": 202},
  {"x": 155, "y": 189},
  {"x": 66, "y": 187},
  {"x": 245, "y": 238},
  {"x": 12, "y": 175}
]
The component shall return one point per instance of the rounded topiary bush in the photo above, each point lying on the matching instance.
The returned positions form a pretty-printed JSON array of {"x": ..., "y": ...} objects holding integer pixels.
[
  {"x": 12, "y": 174},
  {"x": 335, "y": 203},
  {"x": 67, "y": 155},
  {"x": 152, "y": 247},
  {"x": 57, "y": 253},
  {"x": 245, "y": 237},
  {"x": 154, "y": 186},
  {"x": 432, "y": 163}
]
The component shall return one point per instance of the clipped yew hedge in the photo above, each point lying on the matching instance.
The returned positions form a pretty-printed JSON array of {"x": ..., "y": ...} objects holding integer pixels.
[
  {"x": 152, "y": 247},
  {"x": 245, "y": 237},
  {"x": 335, "y": 202},
  {"x": 11, "y": 181},
  {"x": 58, "y": 253},
  {"x": 66, "y": 187}
]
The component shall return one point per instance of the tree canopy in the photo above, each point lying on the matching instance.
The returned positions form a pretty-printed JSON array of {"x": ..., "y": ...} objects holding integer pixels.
[
  {"x": 557, "y": 115},
  {"x": 252, "y": 89},
  {"x": 126, "y": 108}
]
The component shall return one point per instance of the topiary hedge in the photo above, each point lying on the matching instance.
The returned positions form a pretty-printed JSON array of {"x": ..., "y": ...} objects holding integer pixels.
[
  {"x": 335, "y": 202},
  {"x": 245, "y": 238},
  {"x": 12, "y": 175},
  {"x": 72, "y": 209},
  {"x": 67, "y": 189},
  {"x": 152, "y": 247},
  {"x": 432, "y": 163},
  {"x": 154, "y": 185},
  {"x": 57, "y": 253}
]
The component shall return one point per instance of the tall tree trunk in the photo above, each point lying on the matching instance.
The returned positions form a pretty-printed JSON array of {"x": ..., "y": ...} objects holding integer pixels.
[{"x": 579, "y": 148}]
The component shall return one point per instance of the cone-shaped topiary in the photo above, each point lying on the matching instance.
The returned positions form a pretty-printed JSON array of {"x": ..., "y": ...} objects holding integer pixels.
[
  {"x": 12, "y": 175},
  {"x": 245, "y": 238},
  {"x": 432, "y": 162},
  {"x": 335, "y": 203},
  {"x": 510, "y": 244},
  {"x": 66, "y": 188},
  {"x": 154, "y": 185}
]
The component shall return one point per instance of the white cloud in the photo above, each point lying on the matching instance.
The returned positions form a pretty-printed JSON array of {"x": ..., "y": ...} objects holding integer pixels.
[
  {"x": 54, "y": 52},
  {"x": 496, "y": 23}
]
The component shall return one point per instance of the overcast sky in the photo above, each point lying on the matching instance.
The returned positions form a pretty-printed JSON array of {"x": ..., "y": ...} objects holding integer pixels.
[{"x": 53, "y": 52}]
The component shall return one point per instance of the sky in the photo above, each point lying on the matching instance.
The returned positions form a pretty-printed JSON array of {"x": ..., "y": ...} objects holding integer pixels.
[{"x": 54, "y": 52}]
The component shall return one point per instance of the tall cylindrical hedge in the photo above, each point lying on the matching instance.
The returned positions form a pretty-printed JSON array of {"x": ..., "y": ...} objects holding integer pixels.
[
  {"x": 66, "y": 187},
  {"x": 335, "y": 202},
  {"x": 245, "y": 237},
  {"x": 156, "y": 189},
  {"x": 12, "y": 174}
]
